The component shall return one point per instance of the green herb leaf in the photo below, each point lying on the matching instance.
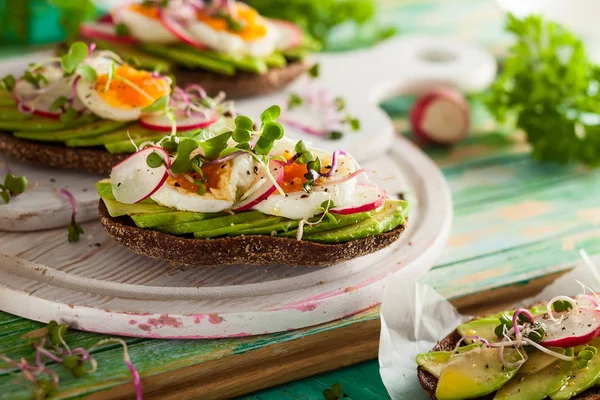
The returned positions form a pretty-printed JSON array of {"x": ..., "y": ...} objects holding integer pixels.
[
  {"x": 270, "y": 114},
  {"x": 159, "y": 104},
  {"x": 241, "y": 135},
  {"x": 300, "y": 148},
  {"x": 214, "y": 146},
  {"x": 244, "y": 122},
  {"x": 331, "y": 218},
  {"x": 561, "y": 306},
  {"x": 272, "y": 130},
  {"x": 337, "y": 390},
  {"x": 354, "y": 123},
  {"x": 201, "y": 188},
  {"x": 15, "y": 184},
  {"x": 87, "y": 73},
  {"x": 34, "y": 79},
  {"x": 314, "y": 70},
  {"x": 294, "y": 101},
  {"x": 263, "y": 145},
  {"x": 58, "y": 103},
  {"x": 4, "y": 194},
  {"x": 75, "y": 230},
  {"x": 340, "y": 103},
  {"x": 183, "y": 162},
  {"x": 122, "y": 30},
  {"x": 305, "y": 158},
  {"x": 77, "y": 53},
  {"x": 69, "y": 115},
  {"x": 334, "y": 135},
  {"x": 154, "y": 160},
  {"x": 8, "y": 82}
]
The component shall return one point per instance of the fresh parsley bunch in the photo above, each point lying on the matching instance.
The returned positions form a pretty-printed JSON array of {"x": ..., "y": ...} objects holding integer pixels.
[{"x": 551, "y": 89}]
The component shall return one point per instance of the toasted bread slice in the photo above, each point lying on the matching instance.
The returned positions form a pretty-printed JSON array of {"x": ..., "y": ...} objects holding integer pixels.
[
  {"x": 238, "y": 250},
  {"x": 429, "y": 382},
  {"x": 242, "y": 84},
  {"x": 58, "y": 155}
]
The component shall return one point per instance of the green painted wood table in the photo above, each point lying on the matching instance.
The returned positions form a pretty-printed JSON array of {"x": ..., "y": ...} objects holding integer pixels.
[{"x": 518, "y": 225}]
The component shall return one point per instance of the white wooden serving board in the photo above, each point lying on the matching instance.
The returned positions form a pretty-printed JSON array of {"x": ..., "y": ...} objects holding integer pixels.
[
  {"x": 364, "y": 78},
  {"x": 96, "y": 285}
]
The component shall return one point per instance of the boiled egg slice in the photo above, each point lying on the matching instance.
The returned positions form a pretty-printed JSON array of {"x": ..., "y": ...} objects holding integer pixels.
[
  {"x": 144, "y": 23},
  {"x": 120, "y": 92},
  {"x": 252, "y": 34},
  {"x": 224, "y": 183}
]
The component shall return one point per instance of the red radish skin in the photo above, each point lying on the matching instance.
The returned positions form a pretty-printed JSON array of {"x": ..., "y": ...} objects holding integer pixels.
[
  {"x": 178, "y": 31},
  {"x": 574, "y": 330},
  {"x": 365, "y": 198},
  {"x": 266, "y": 189},
  {"x": 40, "y": 113},
  {"x": 106, "y": 18},
  {"x": 104, "y": 31},
  {"x": 441, "y": 117},
  {"x": 291, "y": 32},
  {"x": 162, "y": 124},
  {"x": 149, "y": 179}
]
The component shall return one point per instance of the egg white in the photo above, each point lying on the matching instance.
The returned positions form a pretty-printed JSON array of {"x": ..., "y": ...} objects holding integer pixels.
[
  {"x": 144, "y": 28},
  {"x": 60, "y": 86},
  {"x": 87, "y": 94},
  {"x": 235, "y": 180},
  {"x": 232, "y": 44},
  {"x": 300, "y": 205}
]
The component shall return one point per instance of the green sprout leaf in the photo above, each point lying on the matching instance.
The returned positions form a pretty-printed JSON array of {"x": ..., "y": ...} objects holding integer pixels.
[
  {"x": 244, "y": 122},
  {"x": 15, "y": 184},
  {"x": 77, "y": 53},
  {"x": 314, "y": 71},
  {"x": 300, "y": 148},
  {"x": 122, "y": 30},
  {"x": 272, "y": 130},
  {"x": 183, "y": 163},
  {"x": 562, "y": 306},
  {"x": 270, "y": 114},
  {"x": 154, "y": 160},
  {"x": 335, "y": 392},
  {"x": 4, "y": 194},
  {"x": 354, "y": 123},
  {"x": 305, "y": 158},
  {"x": 334, "y": 135},
  {"x": 87, "y": 73},
  {"x": 74, "y": 231},
  {"x": 241, "y": 136},
  {"x": 214, "y": 146},
  {"x": 160, "y": 104},
  {"x": 35, "y": 80},
  {"x": 340, "y": 104},
  {"x": 58, "y": 103},
  {"x": 294, "y": 101},
  {"x": 8, "y": 82},
  {"x": 69, "y": 115}
]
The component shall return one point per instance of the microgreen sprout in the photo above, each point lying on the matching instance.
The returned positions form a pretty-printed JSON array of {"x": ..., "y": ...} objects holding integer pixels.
[
  {"x": 73, "y": 228},
  {"x": 73, "y": 58},
  {"x": 314, "y": 70},
  {"x": 13, "y": 186},
  {"x": 8, "y": 82},
  {"x": 294, "y": 101},
  {"x": 36, "y": 79},
  {"x": 335, "y": 392},
  {"x": 69, "y": 115},
  {"x": 122, "y": 29},
  {"x": 585, "y": 355},
  {"x": 59, "y": 103}
]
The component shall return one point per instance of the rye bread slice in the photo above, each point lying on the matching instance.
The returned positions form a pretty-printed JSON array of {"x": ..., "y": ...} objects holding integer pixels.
[
  {"x": 429, "y": 382},
  {"x": 238, "y": 250},
  {"x": 242, "y": 84},
  {"x": 58, "y": 155}
]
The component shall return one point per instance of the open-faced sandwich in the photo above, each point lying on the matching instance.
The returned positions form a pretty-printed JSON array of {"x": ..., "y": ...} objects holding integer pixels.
[
  {"x": 222, "y": 45},
  {"x": 248, "y": 196},
  {"x": 547, "y": 351},
  {"x": 88, "y": 109}
]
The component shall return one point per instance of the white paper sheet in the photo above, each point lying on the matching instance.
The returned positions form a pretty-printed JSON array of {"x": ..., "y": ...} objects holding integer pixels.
[{"x": 414, "y": 317}]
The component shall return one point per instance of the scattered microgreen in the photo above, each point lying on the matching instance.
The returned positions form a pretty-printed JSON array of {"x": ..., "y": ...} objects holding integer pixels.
[
  {"x": 270, "y": 114},
  {"x": 154, "y": 160},
  {"x": 313, "y": 172},
  {"x": 12, "y": 186},
  {"x": 8, "y": 82},
  {"x": 505, "y": 324},
  {"x": 59, "y": 103},
  {"x": 294, "y": 101},
  {"x": 69, "y": 115},
  {"x": 182, "y": 162},
  {"x": 74, "y": 230},
  {"x": 325, "y": 207},
  {"x": 87, "y": 73},
  {"x": 73, "y": 58},
  {"x": 562, "y": 306},
  {"x": 353, "y": 122},
  {"x": 584, "y": 356},
  {"x": 314, "y": 71},
  {"x": 35, "y": 80},
  {"x": 122, "y": 30},
  {"x": 340, "y": 104},
  {"x": 335, "y": 392},
  {"x": 536, "y": 333},
  {"x": 214, "y": 146},
  {"x": 334, "y": 135}
]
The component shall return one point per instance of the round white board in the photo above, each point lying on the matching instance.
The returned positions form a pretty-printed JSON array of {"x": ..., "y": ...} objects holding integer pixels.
[
  {"x": 363, "y": 78},
  {"x": 98, "y": 286}
]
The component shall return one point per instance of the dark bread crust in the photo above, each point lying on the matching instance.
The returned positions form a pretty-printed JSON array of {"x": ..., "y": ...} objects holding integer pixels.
[
  {"x": 59, "y": 156},
  {"x": 429, "y": 382},
  {"x": 242, "y": 84},
  {"x": 238, "y": 250}
]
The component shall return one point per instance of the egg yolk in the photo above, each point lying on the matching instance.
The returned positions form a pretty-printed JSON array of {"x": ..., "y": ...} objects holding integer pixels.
[
  {"x": 254, "y": 26},
  {"x": 213, "y": 174},
  {"x": 293, "y": 175},
  {"x": 131, "y": 88},
  {"x": 147, "y": 11}
]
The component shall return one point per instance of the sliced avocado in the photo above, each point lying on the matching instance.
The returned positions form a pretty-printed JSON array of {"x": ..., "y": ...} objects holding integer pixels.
[
  {"x": 8, "y": 113},
  {"x": 475, "y": 373},
  {"x": 116, "y": 209},
  {"x": 483, "y": 327},
  {"x": 539, "y": 385},
  {"x": 276, "y": 60},
  {"x": 389, "y": 217},
  {"x": 126, "y": 146},
  {"x": 434, "y": 361},
  {"x": 171, "y": 218},
  {"x": 40, "y": 124},
  {"x": 134, "y": 131},
  {"x": 190, "y": 58},
  {"x": 134, "y": 56},
  {"x": 283, "y": 225},
  {"x": 7, "y": 99},
  {"x": 209, "y": 225},
  {"x": 537, "y": 360},
  {"x": 582, "y": 378},
  {"x": 326, "y": 225},
  {"x": 93, "y": 129},
  {"x": 227, "y": 229}
]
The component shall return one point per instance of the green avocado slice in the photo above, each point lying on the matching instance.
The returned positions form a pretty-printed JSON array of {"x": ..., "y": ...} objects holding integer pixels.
[
  {"x": 389, "y": 217},
  {"x": 538, "y": 360},
  {"x": 93, "y": 129},
  {"x": 7, "y": 99},
  {"x": 8, "y": 113},
  {"x": 326, "y": 225},
  {"x": 134, "y": 131},
  {"x": 190, "y": 59},
  {"x": 434, "y": 361},
  {"x": 482, "y": 327},
  {"x": 170, "y": 218},
  {"x": 539, "y": 385},
  {"x": 582, "y": 379},
  {"x": 40, "y": 124},
  {"x": 136, "y": 57},
  {"x": 104, "y": 189},
  {"x": 126, "y": 146},
  {"x": 205, "y": 226},
  {"x": 116, "y": 209}
]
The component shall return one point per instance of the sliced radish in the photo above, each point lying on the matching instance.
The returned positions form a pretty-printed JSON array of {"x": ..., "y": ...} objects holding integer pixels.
[
  {"x": 106, "y": 18},
  {"x": 573, "y": 330},
  {"x": 265, "y": 189},
  {"x": 160, "y": 122},
  {"x": 441, "y": 116},
  {"x": 178, "y": 30},
  {"x": 39, "y": 101},
  {"x": 290, "y": 34},
  {"x": 364, "y": 198},
  {"x": 133, "y": 180},
  {"x": 104, "y": 31}
]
